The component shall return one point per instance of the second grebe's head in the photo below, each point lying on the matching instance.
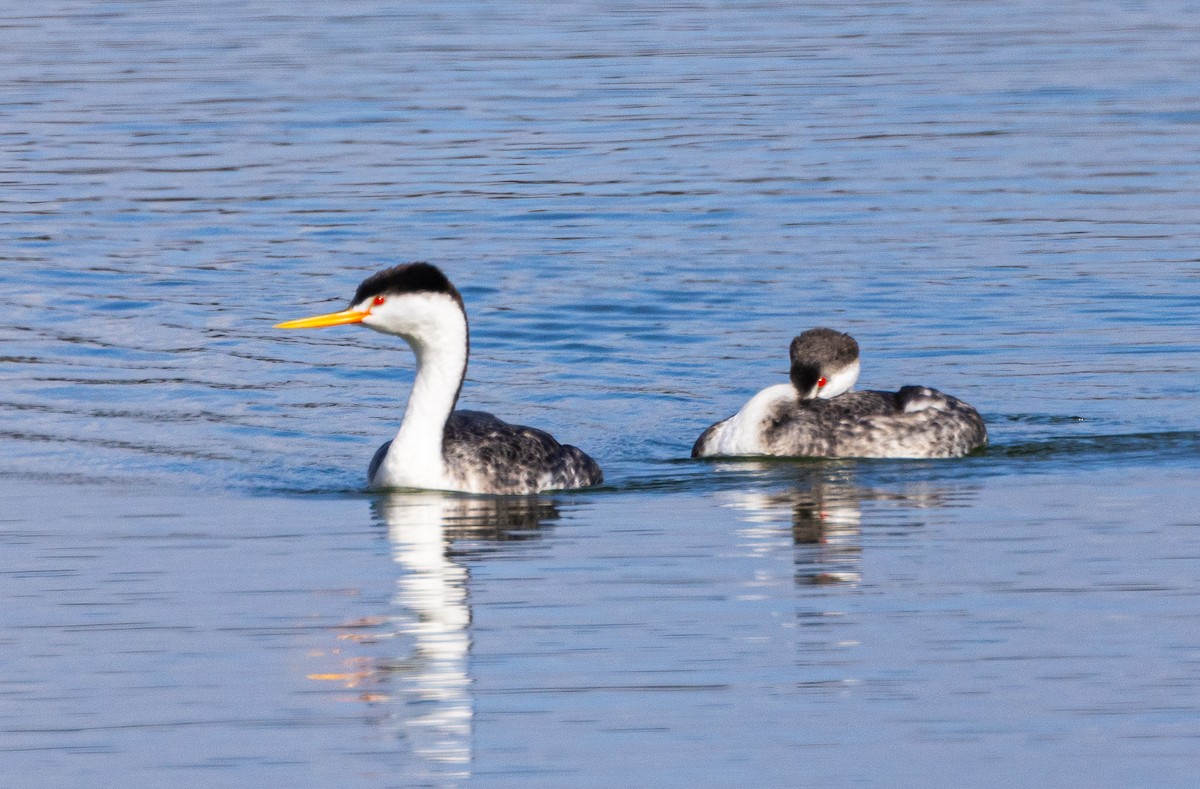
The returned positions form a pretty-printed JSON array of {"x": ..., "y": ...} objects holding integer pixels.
[{"x": 824, "y": 363}]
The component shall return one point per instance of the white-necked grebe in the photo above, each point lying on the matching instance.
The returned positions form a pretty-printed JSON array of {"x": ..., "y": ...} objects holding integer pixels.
[
  {"x": 816, "y": 415},
  {"x": 437, "y": 447}
]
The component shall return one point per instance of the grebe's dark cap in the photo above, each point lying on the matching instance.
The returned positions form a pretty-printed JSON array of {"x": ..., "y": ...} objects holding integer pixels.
[
  {"x": 406, "y": 278},
  {"x": 824, "y": 348}
]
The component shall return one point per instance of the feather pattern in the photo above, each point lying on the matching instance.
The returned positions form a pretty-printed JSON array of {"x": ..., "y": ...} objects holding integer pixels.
[
  {"x": 484, "y": 454},
  {"x": 915, "y": 422},
  {"x": 801, "y": 420}
]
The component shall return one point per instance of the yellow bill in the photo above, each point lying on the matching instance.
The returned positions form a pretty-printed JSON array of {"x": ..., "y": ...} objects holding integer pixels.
[{"x": 330, "y": 319}]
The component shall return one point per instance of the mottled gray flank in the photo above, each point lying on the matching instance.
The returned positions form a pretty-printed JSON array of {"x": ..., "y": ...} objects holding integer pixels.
[
  {"x": 487, "y": 455},
  {"x": 915, "y": 422}
]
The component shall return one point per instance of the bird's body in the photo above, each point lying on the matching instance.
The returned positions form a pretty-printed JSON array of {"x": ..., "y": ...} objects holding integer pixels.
[
  {"x": 817, "y": 416},
  {"x": 483, "y": 454},
  {"x": 915, "y": 422},
  {"x": 437, "y": 447}
]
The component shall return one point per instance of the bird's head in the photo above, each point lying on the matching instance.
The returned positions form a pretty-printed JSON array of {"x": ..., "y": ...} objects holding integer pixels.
[
  {"x": 824, "y": 363},
  {"x": 414, "y": 301}
]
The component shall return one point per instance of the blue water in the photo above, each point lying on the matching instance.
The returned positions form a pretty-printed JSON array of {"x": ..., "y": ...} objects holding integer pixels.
[{"x": 641, "y": 204}]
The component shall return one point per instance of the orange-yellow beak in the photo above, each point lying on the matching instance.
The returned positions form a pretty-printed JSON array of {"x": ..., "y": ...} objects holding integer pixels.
[{"x": 331, "y": 319}]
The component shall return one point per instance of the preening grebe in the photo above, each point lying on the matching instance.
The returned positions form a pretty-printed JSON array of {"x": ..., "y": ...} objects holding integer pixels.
[
  {"x": 437, "y": 447},
  {"x": 817, "y": 416}
]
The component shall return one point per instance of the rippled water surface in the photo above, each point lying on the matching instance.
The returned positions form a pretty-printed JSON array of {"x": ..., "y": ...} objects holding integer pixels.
[{"x": 641, "y": 203}]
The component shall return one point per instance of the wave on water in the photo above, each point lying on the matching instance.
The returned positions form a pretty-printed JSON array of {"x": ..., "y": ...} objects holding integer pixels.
[
  {"x": 233, "y": 468},
  {"x": 1165, "y": 445}
]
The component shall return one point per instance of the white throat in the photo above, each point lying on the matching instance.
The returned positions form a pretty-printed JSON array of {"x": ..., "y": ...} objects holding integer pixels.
[
  {"x": 841, "y": 381},
  {"x": 435, "y": 327}
]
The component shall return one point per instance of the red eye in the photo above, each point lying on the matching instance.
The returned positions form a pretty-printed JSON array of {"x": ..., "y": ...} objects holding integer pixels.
[
  {"x": 378, "y": 300},
  {"x": 821, "y": 382}
]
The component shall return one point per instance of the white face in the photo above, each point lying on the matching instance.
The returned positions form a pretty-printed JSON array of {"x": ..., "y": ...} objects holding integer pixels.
[
  {"x": 423, "y": 319},
  {"x": 839, "y": 382}
]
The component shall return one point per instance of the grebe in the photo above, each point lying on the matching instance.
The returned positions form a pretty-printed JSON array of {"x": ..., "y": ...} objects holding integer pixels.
[
  {"x": 816, "y": 415},
  {"x": 437, "y": 447}
]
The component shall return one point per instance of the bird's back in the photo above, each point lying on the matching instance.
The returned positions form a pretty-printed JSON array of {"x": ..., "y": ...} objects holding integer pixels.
[
  {"x": 483, "y": 454},
  {"x": 487, "y": 455},
  {"x": 915, "y": 422}
]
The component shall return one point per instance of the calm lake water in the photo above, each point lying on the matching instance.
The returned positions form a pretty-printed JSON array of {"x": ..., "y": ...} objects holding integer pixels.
[{"x": 641, "y": 203}]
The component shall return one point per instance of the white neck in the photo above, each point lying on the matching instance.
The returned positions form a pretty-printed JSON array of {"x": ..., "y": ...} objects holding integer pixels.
[
  {"x": 440, "y": 372},
  {"x": 415, "y": 457}
]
